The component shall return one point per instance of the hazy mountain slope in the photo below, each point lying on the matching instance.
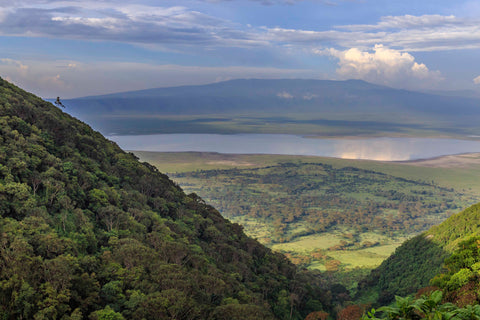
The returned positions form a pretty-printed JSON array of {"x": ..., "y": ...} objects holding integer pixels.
[
  {"x": 419, "y": 259},
  {"x": 87, "y": 231},
  {"x": 284, "y": 96},
  {"x": 312, "y": 107}
]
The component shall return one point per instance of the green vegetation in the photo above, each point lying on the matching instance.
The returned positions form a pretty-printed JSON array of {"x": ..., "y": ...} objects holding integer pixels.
[
  {"x": 89, "y": 232},
  {"x": 461, "y": 172},
  {"x": 429, "y": 307},
  {"x": 420, "y": 259},
  {"x": 459, "y": 294},
  {"x": 347, "y": 247},
  {"x": 410, "y": 268},
  {"x": 323, "y": 213},
  {"x": 457, "y": 228},
  {"x": 309, "y": 198}
]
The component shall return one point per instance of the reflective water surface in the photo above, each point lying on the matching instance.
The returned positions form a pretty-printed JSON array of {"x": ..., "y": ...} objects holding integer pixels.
[{"x": 386, "y": 149}]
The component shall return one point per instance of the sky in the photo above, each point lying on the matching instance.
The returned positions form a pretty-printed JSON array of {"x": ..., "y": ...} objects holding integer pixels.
[{"x": 77, "y": 48}]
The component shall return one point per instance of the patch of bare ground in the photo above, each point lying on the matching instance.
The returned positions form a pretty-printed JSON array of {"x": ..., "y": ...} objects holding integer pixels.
[
  {"x": 222, "y": 159},
  {"x": 451, "y": 161},
  {"x": 231, "y": 163}
]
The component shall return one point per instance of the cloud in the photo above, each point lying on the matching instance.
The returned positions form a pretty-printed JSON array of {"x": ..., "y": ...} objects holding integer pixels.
[
  {"x": 284, "y": 95},
  {"x": 32, "y": 78},
  {"x": 418, "y": 33},
  {"x": 54, "y": 78},
  {"x": 476, "y": 80},
  {"x": 278, "y": 34},
  {"x": 14, "y": 70},
  {"x": 383, "y": 65},
  {"x": 283, "y": 2},
  {"x": 407, "y": 22},
  {"x": 130, "y": 23},
  {"x": 170, "y": 27},
  {"x": 408, "y": 33},
  {"x": 139, "y": 22},
  {"x": 310, "y": 96},
  {"x": 14, "y": 63}
]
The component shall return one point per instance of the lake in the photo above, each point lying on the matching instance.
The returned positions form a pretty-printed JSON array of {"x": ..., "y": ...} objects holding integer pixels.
[{"x": 385, "y": 149}]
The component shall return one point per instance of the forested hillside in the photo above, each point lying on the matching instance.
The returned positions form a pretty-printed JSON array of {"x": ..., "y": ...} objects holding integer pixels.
[
  {"x": 89, "y": 232},
  {"x": 421, "y": 258},
  {"x": 454, "y": 294}
]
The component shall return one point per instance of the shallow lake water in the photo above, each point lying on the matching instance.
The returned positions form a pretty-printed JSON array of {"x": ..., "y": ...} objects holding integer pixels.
[{"x": 385, "y": 149}]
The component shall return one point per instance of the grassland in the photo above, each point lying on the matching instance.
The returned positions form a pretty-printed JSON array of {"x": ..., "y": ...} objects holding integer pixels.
[{"x": 374, "y": 204}]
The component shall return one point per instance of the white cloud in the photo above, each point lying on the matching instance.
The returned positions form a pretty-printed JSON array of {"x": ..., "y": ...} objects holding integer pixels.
[
  {"x": 278, "y": 34},
  {"x": 142, "y": 23},
  {"x": 310, "y": 96},
  {"x": 123, "y": 22},
  {"x": 476, "y": 80},
  {"x": 7, "y": 61},
  {"x": 406, "y": 22},
  {"x": 383, "y": 65},
  {"x": 284, "y": 95},
  {"x": 14, "y": 69},
  {"x": 408, "y": 33},
  {"x": 31, "y": 78},
  {"x": 283, "y": 2}
]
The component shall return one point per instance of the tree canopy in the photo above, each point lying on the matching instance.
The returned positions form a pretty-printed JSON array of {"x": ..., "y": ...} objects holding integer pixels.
[{"x": 89, "y": 232}]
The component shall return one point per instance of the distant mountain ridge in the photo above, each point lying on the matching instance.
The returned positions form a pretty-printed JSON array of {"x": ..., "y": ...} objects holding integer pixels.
[
  {"x": 237, "y": 96},
  {"x": 288, "y": 106},
  {"x": 455, "y": 93}
]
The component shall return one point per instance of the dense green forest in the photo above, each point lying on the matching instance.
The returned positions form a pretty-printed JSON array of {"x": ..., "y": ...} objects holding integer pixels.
[
  {"x": 89, "y": 232},
  {"x": 438, "y": 254},
  {"x": 453, "y": 294}
]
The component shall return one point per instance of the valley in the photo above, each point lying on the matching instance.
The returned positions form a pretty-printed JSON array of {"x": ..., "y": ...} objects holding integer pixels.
[
  {"x": 328, "y": 236},
  {"x": 344, "y": 216}
]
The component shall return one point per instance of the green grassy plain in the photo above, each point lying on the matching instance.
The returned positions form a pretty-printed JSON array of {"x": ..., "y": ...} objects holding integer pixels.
[{"x": 452, "y": 180}]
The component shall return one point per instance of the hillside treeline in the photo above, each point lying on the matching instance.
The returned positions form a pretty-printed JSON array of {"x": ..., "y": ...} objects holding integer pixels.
[{"x": 89, "y": 232}]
